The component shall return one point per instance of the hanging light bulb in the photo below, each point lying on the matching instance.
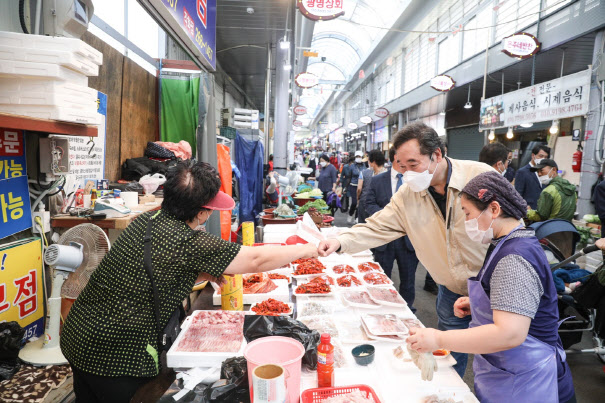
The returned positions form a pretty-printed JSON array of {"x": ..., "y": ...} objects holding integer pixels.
[
  {"x": 554, "y": 129},
  {"x": 509, "y": 133},
  {"x": 287, "y": 67},
  {"x": 492, "y": 135},
  {"x": 284, "y": 44},
  {"x": 526, "y": 125},
  {"x": 468, "y": 100}
]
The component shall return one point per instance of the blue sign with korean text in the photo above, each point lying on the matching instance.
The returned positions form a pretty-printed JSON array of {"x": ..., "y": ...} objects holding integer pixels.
[
  {"x": 15, "y": 210},
  {"x": 198, "y": 19},
  {"x": 12, "y": 154}
]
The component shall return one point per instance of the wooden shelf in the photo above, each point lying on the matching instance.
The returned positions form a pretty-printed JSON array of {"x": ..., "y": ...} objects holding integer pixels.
[{"x": 17, "y": 122}]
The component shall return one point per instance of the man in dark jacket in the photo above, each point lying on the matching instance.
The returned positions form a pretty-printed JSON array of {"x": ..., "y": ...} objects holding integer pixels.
[
  {"x": 599, "y": 203},
  {"x": 382, "y": 188},
  {"x": 527, "y": 182},
  {"x": 558, "y": 199}
]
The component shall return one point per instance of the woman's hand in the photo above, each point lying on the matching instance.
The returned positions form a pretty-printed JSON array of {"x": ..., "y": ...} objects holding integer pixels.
[
  {"x": 207, "y": 277},
  {"x": 424, "y": 340},
  {"x": 462, "y": 307},
  {"x": 601, "y": 244},
  {"x": 310, "y": 251}
]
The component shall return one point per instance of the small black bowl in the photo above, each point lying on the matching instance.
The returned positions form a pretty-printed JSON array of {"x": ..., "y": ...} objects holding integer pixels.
[{"x": 368, "y": 354}]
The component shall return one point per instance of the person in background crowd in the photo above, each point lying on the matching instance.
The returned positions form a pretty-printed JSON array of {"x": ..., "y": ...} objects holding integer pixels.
[
  {"x": 510, "y": 171},
  {"x": 379, "y": 193},
  {"x": 344, "y": 180},
  {"x": 110, "y": 335},
  {"x": 376, "y": 160},
  {"x": 514, "y": 335},
  {"x": 356, "y": 168},
  {"x": 526, "y": 182},
  {"x": 558, "y": 199},
  {"x": 496, "y": 156},
  {"x": 599, "y": 204},
  {"x": 426, "y": 209},
  {"x": 327, "y": 176},
  {"x": 270, "y": 162},
  {"x": 313, "y": 164},
  {"x": 273, "y": 187},
  {"x": 334, "y": 160}
]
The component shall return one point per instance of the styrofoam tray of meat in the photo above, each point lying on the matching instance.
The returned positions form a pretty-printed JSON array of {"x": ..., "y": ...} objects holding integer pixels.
[
  {"x": 390, "y": 339},
  {"x": 366, "y": 267},
  {"x": 386, "y": 296},
  {"x": 352, "y": 332},
  {"x": 207, "y": 339},
  {"x": 281, "y": 293},
  {"x": 384, "y": 325},
  {"x": 359, "y": 298},
  {"x": 376, "y": 279},
  {"x": 348, "y": 281},
  {"x": 341, "y": 269}
]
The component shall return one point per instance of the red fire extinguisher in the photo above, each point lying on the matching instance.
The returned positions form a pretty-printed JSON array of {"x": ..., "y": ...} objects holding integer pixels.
[{"x": 576, "y": 163}]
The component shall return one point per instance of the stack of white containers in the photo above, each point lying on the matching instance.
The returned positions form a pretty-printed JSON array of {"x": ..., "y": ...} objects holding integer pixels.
[{"x": 47, "y": 77}]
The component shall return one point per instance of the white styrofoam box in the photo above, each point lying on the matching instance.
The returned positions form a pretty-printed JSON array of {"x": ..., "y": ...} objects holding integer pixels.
[
  {"x": 84, "y": 116},
  {"x": 74, "y": 61},
  {"x": 16, "y": 68},
  {"x": 63, "y": 100},
  {"x": 281, "y": 293},
  {"x": 27, "y": 85},
  {"x": 53, "y": 43}
]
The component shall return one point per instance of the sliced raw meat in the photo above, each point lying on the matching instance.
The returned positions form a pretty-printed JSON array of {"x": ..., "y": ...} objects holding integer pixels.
[
  {"x": 213, "y": 331},
  {"x": 359, "y": 297},
  {"x": 389, "y": 295}
]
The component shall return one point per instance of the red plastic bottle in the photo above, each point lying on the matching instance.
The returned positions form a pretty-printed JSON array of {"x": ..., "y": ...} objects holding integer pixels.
[{"x": 325, "y": 362}]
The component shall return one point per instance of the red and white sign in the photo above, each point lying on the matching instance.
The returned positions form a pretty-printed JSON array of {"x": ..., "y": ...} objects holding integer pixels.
[
  {"x": 521, "y": 45},
  {"x": 297, "y": 123},
  {"x": 300, "y": 110},
  {"x": 443, "y": 83},
  {"x": 321, "y": 10},
  {"x": 306, "y": 80},
  {"x": 365, "y": 119},
  {"x": 381, "y": 112},
  {"x": 352, "y": 126}
]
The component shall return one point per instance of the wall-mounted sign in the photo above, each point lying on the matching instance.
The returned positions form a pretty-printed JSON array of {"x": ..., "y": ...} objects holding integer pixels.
[
  {"x": 521, "y": 45},
  {"x": 12, "y": 154},
  {"x": 308, "y": 53},
  {"x": 365, "y": 119},
  {"x": 321, "y": 10},
  {"x": 352, "y": 126},
  {"x": 333, "y": 126},
  {"x": 381, "y": 112},
  {"x": 306, "y": 80},
  {"x": 193, "y": 21},
  {"x": 443, "y": 83},
  {"x": 300, "y": 110},
  {"x": 381, "y": 134},
  {"x": 297, "y": 123},
  {"x": 563, "y": 97}
]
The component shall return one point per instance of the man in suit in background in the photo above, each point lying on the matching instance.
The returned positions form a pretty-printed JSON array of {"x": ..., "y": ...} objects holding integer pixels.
[
  {"x": 382, "y": 187},
  {"x": 526, "y": 182}
]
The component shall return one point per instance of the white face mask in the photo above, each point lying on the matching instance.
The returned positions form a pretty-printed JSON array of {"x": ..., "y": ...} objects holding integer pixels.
[
  {"x": 201, "y": 227},
  {"x": 323, "y": 163},
  {"x": 475, "y": 234},
  {"x": 503, "y": 172},
  {"x": 538, "y": 160},
  {"x": 545, "y": 179},
  {"x": 419, "y": 181},
  {"x": 358, "y": 160}
]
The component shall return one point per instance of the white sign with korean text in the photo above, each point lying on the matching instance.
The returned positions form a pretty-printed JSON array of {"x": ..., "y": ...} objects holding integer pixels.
[
  {"x": 306, "y": 80},
  {"x": 563, "y": 97},
  {"x": 321, "y": 9}
]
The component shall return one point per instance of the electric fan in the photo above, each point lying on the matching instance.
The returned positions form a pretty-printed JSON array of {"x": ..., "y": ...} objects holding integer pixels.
[{"x": 74, "y": 258}]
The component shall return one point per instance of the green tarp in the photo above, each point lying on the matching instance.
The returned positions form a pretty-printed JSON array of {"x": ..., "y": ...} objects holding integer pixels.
[{"x": 179, "y": 114}]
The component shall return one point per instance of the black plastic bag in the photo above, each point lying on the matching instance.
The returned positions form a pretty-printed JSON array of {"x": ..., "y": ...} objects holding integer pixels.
[
  {"x": 11, "y": 340},
  {"x": 257, "y": 326}
]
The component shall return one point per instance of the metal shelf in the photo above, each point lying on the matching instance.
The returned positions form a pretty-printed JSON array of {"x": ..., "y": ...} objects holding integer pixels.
[{"x": 17, "y": 122}]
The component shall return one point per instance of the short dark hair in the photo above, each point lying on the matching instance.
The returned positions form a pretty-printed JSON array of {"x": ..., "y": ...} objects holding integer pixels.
[
  {"x": 492, "y": 153},
  {"x": 325, "y": 157},
  {"x": 392, "y": 154},
  {"x": 377, "y": 157},
  {"x": 541, "y": 147},
  {"x": 188, "y": 187},
  {"x": 270, "y": 157},
  {"x": 427, "y": 138}
]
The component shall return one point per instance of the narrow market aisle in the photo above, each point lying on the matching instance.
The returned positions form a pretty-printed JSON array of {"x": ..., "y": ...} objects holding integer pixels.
[{"x": 587, "y": 371}]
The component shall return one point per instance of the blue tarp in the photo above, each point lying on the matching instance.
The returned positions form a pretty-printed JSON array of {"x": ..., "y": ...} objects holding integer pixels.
[{"x": 249, "y": 160}]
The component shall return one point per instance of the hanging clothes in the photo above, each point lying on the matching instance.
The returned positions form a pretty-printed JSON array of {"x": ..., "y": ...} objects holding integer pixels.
[
  {"x": 224, "y": 171},
  {"x": 249, "y": 159}
]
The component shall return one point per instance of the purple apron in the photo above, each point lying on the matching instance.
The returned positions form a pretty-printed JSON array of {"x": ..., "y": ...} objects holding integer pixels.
[{"x": 526, "y": 373}]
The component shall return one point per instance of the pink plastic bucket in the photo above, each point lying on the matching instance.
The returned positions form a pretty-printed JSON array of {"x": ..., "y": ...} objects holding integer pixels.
[{"x": 277, "y": 350}]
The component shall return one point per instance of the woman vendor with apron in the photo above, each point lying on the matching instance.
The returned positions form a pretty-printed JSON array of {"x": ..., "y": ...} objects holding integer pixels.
[{"x": 513, "y": 302}]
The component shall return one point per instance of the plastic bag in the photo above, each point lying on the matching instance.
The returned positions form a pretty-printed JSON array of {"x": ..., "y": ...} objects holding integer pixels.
[
  {"x": 11, "y": 339},
  {"x": 258, "y": 326},
  {"x": 151, "y": 183}
]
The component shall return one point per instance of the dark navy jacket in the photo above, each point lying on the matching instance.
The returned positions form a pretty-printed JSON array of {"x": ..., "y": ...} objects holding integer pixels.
[{"x": 528, "y": 185}]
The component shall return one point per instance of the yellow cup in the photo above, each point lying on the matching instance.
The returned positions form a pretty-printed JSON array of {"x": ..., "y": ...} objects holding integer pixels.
[
  {"x": 232, "y": 293},
  {"x": 248, "y": 233}
]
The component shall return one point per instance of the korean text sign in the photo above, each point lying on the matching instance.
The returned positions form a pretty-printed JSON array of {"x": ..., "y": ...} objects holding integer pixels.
[
  {"x": 15, "y": 210},
  {"x": 197, "y": 18},
  {"x": 12, "y": 154},
  {"x": 21, "y": 292},
  {"x": 557, "y": 99}
]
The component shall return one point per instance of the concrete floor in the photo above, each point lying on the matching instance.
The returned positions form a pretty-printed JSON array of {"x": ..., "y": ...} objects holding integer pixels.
[{"x": 587, "y": 370}]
